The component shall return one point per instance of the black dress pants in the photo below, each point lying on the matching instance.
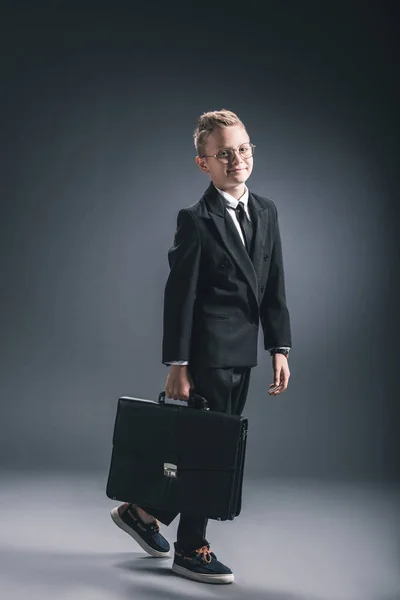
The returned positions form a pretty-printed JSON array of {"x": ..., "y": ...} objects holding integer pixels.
[{"x": 226, "y": 391}]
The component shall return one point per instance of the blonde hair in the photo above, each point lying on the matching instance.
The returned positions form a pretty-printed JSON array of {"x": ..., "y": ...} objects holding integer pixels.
[{"x": 208, "y": 122}]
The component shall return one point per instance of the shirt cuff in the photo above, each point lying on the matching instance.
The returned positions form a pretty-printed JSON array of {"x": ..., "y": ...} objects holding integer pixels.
[{"x": 177, "y": 362}]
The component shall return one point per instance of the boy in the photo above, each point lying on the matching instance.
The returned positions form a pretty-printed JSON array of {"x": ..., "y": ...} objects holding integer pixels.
[{"x": 226, "y": 277}]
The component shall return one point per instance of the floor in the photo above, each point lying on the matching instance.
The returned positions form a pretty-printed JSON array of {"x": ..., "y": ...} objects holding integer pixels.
[{"x": 299, "y": 540}]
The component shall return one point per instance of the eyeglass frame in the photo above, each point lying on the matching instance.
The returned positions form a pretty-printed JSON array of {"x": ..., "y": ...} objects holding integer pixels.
[{"x": 233, "y": 150}]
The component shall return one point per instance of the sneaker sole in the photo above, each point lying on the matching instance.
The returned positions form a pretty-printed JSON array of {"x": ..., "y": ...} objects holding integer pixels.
[
  {"x": 222, "y": 578},
  {"x": 122, "y": 525}
]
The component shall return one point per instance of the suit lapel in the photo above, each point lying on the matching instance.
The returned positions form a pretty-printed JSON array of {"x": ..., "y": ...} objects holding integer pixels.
[
  {"x": 250, "y": 267},
  {"x": 259, "y": 218}
]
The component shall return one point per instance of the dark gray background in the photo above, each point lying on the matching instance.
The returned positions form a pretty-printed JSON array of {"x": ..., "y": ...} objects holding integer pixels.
[{"x": 98, "y": 105}]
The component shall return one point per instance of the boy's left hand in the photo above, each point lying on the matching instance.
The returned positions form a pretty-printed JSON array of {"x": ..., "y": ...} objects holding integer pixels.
[{"x": 281, "y": 371}]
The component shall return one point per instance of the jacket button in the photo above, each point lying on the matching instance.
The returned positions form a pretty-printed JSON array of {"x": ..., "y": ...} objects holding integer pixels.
[
  {"x": 265, "y": 257},
  {"x": 252, "y": 322},
  {"x": 262, "y": 289}
]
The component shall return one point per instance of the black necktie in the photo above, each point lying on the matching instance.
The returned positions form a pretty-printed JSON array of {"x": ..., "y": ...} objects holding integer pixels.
[{"x": 245, "y": 225}]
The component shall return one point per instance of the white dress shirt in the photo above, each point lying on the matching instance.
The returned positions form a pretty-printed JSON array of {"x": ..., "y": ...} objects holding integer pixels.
[{"x": 231, "y": 205}]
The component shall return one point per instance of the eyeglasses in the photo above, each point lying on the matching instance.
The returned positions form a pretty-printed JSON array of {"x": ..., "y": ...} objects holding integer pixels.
[{"x": 226, "y": 155}]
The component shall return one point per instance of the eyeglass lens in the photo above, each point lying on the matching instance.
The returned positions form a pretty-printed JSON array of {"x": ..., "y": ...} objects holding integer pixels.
[{"x": 227, "y": 154}]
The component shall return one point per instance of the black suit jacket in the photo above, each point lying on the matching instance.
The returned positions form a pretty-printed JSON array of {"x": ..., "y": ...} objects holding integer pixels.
[{"x": 216, "y": 295}]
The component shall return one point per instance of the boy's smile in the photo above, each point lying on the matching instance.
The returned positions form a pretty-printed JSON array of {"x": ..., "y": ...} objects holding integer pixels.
[{"x": 230, "y": 176}]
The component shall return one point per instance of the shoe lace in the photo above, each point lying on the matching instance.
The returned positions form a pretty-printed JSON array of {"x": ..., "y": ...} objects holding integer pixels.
[
  {"x": 205, "y": 553},
  {"x": 155, "y": 526}
]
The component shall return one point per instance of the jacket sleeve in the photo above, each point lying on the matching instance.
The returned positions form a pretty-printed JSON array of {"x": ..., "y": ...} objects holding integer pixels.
[
  {"x": 180, "y": 289},
  {"x": 274, "y": 314}
]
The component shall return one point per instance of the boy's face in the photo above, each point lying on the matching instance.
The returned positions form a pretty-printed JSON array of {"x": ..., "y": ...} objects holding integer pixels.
[{"x": 234, "y": 173}]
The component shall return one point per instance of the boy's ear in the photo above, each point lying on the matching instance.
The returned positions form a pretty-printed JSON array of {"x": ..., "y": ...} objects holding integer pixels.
[{"x": 202, "y": 167}]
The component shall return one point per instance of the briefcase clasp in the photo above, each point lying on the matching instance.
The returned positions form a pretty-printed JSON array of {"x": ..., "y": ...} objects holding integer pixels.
[{"x": 170, "y": 470}]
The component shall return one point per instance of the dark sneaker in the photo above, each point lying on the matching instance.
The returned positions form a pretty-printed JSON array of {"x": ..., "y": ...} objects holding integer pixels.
[
  {"x": 201, "y": 565},
  {"x": 147, "y": 536}
]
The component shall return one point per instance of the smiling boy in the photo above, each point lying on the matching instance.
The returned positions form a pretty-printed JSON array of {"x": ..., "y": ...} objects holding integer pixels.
[{"x": 226, "y": 278}]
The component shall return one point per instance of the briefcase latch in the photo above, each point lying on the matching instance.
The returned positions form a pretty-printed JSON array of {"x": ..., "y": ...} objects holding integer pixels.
[{"x": 170, "y": 470}]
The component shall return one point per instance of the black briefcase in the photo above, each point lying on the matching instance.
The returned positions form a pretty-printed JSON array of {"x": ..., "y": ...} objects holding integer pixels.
[{"x": 183, "y": 458}]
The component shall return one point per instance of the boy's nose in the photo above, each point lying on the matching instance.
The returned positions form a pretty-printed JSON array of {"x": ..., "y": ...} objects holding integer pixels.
[{"x": 236, "y": 159}]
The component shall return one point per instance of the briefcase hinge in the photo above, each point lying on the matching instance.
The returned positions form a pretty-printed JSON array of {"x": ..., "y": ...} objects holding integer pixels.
[{"x": 170, "y": 470}]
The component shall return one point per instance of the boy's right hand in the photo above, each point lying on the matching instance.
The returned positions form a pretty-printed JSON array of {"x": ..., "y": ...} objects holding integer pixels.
[{"x": 178, "y": 383}]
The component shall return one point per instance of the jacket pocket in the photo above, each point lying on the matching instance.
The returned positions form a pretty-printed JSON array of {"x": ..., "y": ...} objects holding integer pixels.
[{"x": 214, "y": 316}]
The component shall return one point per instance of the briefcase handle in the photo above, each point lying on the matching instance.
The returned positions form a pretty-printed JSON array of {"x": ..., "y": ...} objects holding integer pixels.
[{"x": 194, "y": 401}]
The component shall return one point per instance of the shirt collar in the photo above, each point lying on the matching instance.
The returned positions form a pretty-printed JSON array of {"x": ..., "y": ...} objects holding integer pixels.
[{"x": 231, "y": 201}]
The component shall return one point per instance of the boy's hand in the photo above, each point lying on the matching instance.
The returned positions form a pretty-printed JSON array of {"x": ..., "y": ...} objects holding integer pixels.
[
  {"x": 281, "y": 371},
  {"x": 178, "y": 384}
]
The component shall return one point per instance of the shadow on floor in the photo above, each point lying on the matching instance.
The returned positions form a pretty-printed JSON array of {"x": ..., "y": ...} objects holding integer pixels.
[{"x": 110, "y": 573}]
